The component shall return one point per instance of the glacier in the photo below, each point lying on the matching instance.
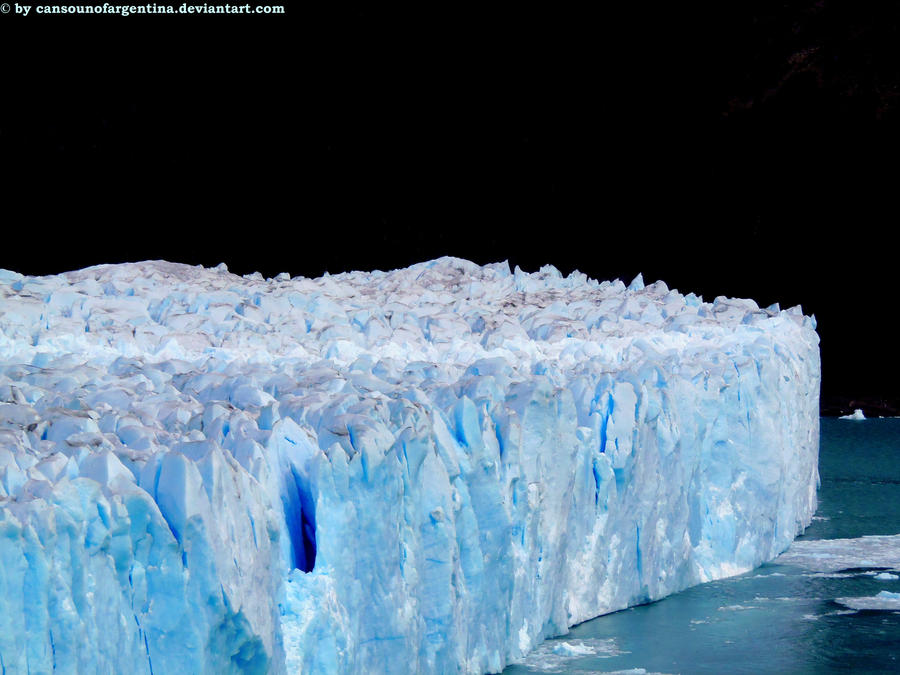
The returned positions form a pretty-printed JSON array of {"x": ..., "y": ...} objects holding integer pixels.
[{"x": 427, "y": 470}]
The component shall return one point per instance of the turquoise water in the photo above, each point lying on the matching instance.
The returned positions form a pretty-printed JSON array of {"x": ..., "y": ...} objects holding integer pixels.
[{"x": 831, "y": 605}]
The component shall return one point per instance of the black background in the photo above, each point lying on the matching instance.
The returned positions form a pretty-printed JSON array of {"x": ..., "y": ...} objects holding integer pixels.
[{"x": 747, "y": 151}]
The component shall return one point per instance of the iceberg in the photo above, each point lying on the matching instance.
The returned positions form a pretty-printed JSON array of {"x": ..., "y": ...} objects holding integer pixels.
[
  {"x": 884, "y": 601},
  {"x": 427, "y": 470},
  {"x": 835, "y": 555}
]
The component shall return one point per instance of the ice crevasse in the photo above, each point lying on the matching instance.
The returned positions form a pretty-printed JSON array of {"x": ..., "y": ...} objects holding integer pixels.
[{"x": 427, "y": 470}]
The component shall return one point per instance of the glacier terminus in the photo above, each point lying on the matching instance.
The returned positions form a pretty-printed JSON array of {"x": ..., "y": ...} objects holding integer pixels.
[{"x": 427, "y": 470}]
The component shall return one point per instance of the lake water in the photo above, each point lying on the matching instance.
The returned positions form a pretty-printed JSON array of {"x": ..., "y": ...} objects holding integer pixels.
[{"x": 830, "y": 604}]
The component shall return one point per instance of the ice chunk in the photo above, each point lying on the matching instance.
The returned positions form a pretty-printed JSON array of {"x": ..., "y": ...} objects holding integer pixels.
[
  {"x": 561, "y": 655},
  {"x": 833, "y": 555},
  {"x": 885, "y": 600},
  {"x": 426, "y": 470},
  {"x": 857, "y": 415}
]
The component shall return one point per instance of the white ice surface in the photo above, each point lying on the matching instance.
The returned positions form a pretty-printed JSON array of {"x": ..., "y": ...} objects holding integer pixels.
[
  {"x": 885, "y": 600},
  {"x": 834, "y": 555},
  {"x": 426, "y": 470},
  {"x": 857, "y": 415},
  {"x": 558, "y": 655}
]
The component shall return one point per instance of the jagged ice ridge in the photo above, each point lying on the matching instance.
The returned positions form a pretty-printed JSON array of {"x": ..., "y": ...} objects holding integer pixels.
[{"x": 428, "y": 470}]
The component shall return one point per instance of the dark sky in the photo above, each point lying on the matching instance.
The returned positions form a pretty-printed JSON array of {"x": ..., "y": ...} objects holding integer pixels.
[{"x": 749, "y": 152}]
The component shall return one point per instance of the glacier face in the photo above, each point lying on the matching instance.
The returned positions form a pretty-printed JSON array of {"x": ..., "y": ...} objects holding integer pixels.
[{"x": 425, "y": 470}]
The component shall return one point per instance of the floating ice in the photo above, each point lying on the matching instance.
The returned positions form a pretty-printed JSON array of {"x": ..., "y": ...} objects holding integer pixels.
[
  {"x": 835, "y": 555},
  {"x": 857, "y": 415},
  {"x": 425, "y": 470},
  {"x": 883, "y": 601},
  {"x": 559, "y": 655}
]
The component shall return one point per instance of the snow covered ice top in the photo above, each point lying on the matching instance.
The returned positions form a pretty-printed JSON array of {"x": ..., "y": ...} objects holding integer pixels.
[
  {"x": 447, "y": 312},
  {"x": 436, "y": 466}
]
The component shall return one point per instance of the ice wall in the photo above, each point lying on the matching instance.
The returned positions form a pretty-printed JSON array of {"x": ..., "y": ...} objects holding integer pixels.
[{"x": 426, "y": 470}]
